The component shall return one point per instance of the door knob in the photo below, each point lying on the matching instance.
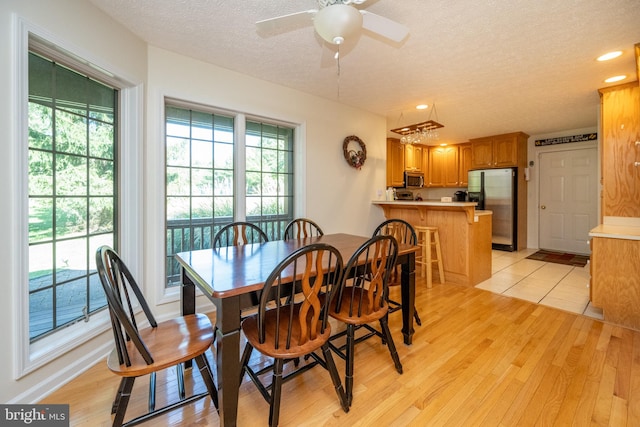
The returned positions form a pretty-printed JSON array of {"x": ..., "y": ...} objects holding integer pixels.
[{"x": 543, "y": 207}]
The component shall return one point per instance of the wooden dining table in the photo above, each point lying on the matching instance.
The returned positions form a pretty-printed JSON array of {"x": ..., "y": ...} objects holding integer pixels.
[{"x": 229, "y": 275}]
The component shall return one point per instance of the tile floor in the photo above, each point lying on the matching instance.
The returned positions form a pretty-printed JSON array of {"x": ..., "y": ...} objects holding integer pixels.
[{"x": 561, "y": 286}]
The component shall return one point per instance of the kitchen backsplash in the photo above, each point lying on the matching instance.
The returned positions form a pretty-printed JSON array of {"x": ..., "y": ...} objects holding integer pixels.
[{"x": 436, "y": 193}]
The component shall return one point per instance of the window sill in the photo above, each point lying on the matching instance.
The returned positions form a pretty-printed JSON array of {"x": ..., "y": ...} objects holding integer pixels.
[{"x": 55, "y": 345}]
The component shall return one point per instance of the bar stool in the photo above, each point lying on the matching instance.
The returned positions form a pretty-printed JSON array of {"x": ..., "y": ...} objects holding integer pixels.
[{"x": 429, "y": 237}]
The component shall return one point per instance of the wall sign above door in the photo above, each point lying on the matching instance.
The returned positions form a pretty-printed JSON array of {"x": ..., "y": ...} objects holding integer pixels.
[{"x": 566, "y": 139}]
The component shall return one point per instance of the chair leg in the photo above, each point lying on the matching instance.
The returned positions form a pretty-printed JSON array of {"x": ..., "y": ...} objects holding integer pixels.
[
  {"x": 180, "y": 379},
  {"x": 415, "y": 316},
  {"x": 276, "y": 391},
  {"x": 152, "y": 392},
  {"x": 348, "y": 379},
  {"x": 116, "y": 400},
  {"x": 122, "y": 399},
  {"x": 244, "y": 360},
  {"x": 207, "y": 376},
  {"x": 384, "y": 325},
  {"x": 335, "y": 377},
  {"x": 429, "y": 261}
]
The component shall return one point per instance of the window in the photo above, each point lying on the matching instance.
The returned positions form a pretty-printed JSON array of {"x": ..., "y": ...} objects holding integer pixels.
[
  {"x": 269, "y": 176},
  {"x": 72, "y": 192},
  {"x": 202, "y": 189}
]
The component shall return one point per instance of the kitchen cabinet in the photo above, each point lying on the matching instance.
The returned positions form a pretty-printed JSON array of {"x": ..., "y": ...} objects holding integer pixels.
[
  {"x": 620, "y": 152},
  {"x": 499, "y": 151},
  {"x": 443, "y": 167},
  {"x": 464, "y": 158},
  {"x": 615, "y": 278},
  {"x": 395, "y": 163},
  {"x": 615, "y": 244},
  {"x": 413, "y": 157}
]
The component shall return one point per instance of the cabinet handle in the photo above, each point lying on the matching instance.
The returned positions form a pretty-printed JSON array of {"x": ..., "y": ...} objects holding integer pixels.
[
  {"x": 636, "y": 164},
  {"x": 637, "y": 143}
]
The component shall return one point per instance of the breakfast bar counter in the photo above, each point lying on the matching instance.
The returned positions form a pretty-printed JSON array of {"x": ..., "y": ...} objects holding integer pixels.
[{"x": 465, "y": 235}]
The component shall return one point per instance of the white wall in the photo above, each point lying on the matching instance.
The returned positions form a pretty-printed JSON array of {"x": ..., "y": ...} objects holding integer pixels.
[{"x": 336, "y": 195}]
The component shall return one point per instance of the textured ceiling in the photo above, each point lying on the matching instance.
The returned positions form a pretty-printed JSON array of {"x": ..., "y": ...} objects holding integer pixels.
[{"x": 490, "y": 67}]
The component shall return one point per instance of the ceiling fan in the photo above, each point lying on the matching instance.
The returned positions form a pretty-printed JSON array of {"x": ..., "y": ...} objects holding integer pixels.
[{"x": 338, "y": 20}]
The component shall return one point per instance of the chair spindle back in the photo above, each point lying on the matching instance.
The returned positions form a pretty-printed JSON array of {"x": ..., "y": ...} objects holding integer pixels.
[{"x": 118, "y": 284}]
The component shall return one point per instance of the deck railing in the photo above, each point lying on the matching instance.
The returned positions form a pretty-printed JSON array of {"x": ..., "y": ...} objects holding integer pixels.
[{"x": 190, "y": 235}]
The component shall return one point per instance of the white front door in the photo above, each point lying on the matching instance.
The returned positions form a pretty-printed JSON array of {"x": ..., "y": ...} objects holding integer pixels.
[{"x": 568, "y": 199}]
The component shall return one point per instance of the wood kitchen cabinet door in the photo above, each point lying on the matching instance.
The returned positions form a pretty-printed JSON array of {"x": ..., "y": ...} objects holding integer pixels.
[
  {"x": 482, "y": 153},
  {"x": 443, "y": 167},
  {"x": 499, "y": 151},
  {"x": 413, "y": 157},
  {"x": 615, "y": 274},
  {"x": 395, "y": 163},
  {"x": 620, "y": 130},
  {"x": 505, "y": 151},
  {"x": 464, "y": 158}
]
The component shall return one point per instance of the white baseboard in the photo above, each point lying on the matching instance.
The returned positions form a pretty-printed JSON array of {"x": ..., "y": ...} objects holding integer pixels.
[{"x": 49, "y": 385}]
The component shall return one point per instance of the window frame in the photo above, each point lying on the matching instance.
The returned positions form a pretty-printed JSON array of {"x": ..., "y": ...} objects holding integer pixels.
[
  {"x": 239, "y": 166},
  {"x": 51, "y": 193},
  {"x": 29, "y": 357}
]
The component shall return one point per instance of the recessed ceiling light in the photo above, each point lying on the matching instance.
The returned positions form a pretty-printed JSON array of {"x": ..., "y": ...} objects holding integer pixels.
[
  {"x": 615, "y": 79},
  {"x": 422, "y": 107},
  {"x": 609, "y": 55}
]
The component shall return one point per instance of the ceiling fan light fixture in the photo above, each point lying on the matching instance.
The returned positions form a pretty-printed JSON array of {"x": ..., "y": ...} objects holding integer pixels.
[{"x": 338, "y": 22}]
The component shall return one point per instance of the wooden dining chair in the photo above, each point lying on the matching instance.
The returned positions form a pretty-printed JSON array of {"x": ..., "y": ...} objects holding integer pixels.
[
  {"x": 236, "y": 234},
  {"x": 159, "y": 346},
  {"x": 362, "y": 299},
  {"x": 403, "y": 233},
  {"x": 293, "y": 325},
  {"x": 239, "y": 233},
  {"x": 301, "y": 228}
]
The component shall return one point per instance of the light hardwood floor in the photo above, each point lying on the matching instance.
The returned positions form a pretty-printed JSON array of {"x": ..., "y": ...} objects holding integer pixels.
[{"x": 479, "y": 358}]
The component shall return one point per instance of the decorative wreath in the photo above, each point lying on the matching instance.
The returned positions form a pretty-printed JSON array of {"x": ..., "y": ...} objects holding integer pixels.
[{"x": 355, "y": 158}]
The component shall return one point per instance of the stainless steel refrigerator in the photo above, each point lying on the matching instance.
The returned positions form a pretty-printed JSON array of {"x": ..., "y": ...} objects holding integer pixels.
[{"x": 496, "y": 190}]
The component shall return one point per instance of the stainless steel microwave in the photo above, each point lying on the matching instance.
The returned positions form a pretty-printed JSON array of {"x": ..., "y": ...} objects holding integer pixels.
[{"x": 413, "y": 179}]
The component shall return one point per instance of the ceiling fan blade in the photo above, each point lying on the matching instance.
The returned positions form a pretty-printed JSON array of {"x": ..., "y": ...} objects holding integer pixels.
[
  {"x": 286, "y": 22},
  {"x": 384, "y": 27}
]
